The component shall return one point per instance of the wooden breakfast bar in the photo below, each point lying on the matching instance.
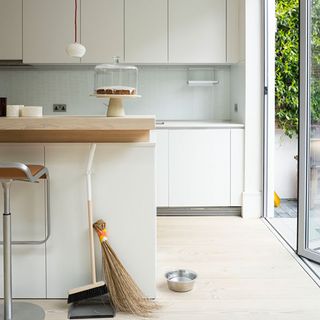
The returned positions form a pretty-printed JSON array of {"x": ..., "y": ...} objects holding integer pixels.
[
  {"x": 123, "y": 195},
  {"x": 76, "y": 129}
]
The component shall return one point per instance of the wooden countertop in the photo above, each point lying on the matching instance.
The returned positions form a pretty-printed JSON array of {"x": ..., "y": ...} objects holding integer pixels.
[{"x": 76, "y": 129}]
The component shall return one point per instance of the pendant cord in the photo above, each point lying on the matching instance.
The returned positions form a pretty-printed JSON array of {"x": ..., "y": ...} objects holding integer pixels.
[{"x": 75, "y": 20}]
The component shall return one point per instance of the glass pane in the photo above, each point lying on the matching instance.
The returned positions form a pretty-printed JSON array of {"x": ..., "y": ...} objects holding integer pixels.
[
  {"x": 283, "y": 123},
  {"x": 313, "y": 219}
]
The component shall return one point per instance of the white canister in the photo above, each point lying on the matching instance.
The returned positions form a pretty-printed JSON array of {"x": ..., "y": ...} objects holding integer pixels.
[
  {"x": 31, "y": 111},
  {"x": 13, "y": 110}
]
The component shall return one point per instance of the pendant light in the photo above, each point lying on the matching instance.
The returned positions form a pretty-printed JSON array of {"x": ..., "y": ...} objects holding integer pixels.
[{"x": 76, "y": 50}]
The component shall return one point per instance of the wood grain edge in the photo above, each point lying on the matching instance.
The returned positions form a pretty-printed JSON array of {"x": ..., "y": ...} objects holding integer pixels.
[{"x": 77, "y": 136}]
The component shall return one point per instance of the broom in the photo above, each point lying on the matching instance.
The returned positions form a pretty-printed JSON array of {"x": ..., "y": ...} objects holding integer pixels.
[
  {"x": 124, "y": 292},
  {"x": 94, "y": 289}
]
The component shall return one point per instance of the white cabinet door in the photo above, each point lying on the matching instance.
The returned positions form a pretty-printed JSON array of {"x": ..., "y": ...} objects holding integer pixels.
[
  {"x": 242, "y": 17},
  {"x": 162, "y": 167},
  {"x": 199, "y": 167},
  {"x": 197, "y": 31},
  {"x": 10, "y": 29},
  {"x": 28, "y": 223},
  {"x": 146, "y": 31},
  {"x": 67, "y": 249},
  {"x": 233, "y": 27},
  {"x": 124, "y": 196},
  {"x": 102, "y": 29},
  {"x": 48, "y": 27},
  {"x": 123, "y": 185},
  {"x": 237, "y": 166}
]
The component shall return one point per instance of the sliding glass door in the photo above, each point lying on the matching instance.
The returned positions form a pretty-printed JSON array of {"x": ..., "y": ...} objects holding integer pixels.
[
  {"x": 281, "y": 88},
  {"x": 309, "y": 137}
]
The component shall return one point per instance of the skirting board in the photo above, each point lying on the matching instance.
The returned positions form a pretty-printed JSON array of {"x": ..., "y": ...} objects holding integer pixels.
[{"x": 199, "y": 211}]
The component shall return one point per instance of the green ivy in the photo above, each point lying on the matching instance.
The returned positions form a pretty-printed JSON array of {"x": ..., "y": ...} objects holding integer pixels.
[
  {"x": 287, "y": 65},
  {"x": 315, "y": 76}
]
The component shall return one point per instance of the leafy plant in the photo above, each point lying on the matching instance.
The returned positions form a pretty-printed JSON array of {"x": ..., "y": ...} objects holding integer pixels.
[
  {"x": 315, "y": 70},
  {"x": 287, "y": 65}
]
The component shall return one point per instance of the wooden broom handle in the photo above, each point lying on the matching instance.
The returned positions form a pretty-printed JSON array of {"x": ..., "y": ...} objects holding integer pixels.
[
  {"x": 90, "y": 214},
  {"x": 92, "y": 255}
]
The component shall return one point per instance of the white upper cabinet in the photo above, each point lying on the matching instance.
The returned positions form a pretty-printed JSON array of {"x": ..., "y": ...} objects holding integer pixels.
[
  {"x": 102, "y": 30},
  {"x": 138, "y": 31},
  {"x": 10, "y": 29},
  {"x": 233, "y": 35},
  {"x": 146, "y": 31},
  {"x": 48, "y": 27},
  {"x": 197, "y": 31},
  {"x": 241, "y": 30}
]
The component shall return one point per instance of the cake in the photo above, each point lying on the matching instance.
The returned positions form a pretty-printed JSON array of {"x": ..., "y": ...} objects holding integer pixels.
[{"x": 120, "y": 90}]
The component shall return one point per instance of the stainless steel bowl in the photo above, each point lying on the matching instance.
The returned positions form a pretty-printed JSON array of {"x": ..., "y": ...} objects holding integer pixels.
[{"x": 181, "y": 280}]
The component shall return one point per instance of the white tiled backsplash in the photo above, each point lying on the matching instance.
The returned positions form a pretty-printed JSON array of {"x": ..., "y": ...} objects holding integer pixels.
[{"x": 164, "y": 91}]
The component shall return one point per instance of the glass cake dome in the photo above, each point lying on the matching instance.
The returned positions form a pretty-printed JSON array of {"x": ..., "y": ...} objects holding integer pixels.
[{"x": 115, "y": 79}]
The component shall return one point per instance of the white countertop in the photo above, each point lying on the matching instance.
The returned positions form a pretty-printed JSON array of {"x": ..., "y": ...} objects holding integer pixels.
[{"x": 172, "y": 124}]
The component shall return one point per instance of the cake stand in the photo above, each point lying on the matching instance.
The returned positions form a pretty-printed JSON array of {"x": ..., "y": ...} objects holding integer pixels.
[{"x": 115, "y": 106}]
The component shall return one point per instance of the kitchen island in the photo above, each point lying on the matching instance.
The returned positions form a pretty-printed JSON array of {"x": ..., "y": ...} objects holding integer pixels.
[{"x": 123, "y": 195}]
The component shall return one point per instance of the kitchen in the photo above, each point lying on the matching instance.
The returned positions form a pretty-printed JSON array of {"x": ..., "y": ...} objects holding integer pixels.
[{"x": 189, "y": 144}]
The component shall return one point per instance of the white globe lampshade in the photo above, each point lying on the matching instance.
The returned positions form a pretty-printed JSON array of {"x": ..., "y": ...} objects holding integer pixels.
[{"x": 76, "y": 50}]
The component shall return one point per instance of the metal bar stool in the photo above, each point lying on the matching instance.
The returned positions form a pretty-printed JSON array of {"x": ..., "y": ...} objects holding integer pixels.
[{"x": 10, "y": 172}]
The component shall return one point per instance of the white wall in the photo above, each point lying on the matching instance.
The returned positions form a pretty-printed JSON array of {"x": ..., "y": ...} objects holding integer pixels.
[
  {"x": 285, "y": 170},
  {"x": 237, "y": 92},
  {"x": 252, "y": 196},
  {"x": 164, "y": 92}
]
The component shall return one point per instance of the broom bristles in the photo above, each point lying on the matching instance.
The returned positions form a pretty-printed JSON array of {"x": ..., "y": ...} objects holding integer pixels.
[{"x": 126, "y": 296}]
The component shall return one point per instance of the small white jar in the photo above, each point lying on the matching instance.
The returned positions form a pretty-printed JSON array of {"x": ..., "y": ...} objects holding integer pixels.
[
  {"x": 31, "y": 111},
  {"x": 13, "y": 111}
]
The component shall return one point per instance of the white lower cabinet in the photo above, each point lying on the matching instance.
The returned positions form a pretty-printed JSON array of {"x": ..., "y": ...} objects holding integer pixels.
[
  {"x": 123, "y": 195},
  {"x": 162, "y": 168},
  {"x": 237, "y": 167},
  {"x": 199, "y": 167},
  {"x": 67, "y": 248},
  {"x": 28, "y": 223}
]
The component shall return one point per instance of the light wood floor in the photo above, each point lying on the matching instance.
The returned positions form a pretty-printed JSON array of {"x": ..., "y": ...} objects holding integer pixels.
[{"x": 244, "y": 273}]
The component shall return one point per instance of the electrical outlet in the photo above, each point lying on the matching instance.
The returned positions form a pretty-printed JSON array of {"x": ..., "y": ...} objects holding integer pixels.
[
  {"x": 236, "y": 108},
  {"x": 58, "y": 107}
]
